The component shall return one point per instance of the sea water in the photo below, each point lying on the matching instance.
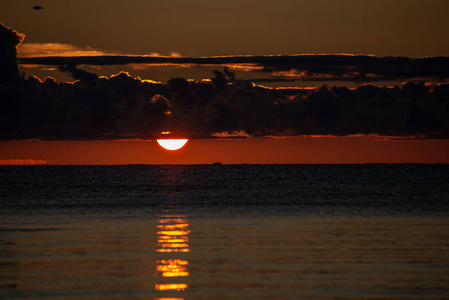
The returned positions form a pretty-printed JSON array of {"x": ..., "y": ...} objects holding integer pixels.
[{"x": 224, "y": 232}]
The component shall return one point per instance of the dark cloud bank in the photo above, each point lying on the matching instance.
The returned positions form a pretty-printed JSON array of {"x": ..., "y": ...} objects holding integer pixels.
[
  {"x": 121, "y": 106},
  {"x": 361, "y": 68}
]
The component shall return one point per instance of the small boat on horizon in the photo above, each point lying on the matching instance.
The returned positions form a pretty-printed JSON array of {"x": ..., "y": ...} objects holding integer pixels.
[{"x": 216, "y": 163}]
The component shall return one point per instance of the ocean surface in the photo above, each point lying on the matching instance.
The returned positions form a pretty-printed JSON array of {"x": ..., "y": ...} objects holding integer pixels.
[{"x": 225, "y": 232}]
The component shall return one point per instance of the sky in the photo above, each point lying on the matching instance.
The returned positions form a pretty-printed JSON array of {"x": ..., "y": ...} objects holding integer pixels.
[
  {"x": 289, "y": 81},
  {"x": 235, "y": 27}
]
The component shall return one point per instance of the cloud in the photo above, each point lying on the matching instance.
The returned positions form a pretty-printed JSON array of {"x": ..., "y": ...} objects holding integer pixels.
[
  {"x": 92, "y": 107},
  {"x": 79, "y": 74},
  {"x": 9, "y": 41},
  {"x": 126, "y": 107},
  {"x": 59, "y": 49},
  {"x": 360, "y": 68}
]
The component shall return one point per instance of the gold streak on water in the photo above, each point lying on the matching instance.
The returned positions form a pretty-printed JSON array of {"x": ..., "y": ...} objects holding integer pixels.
[
  {"x": 173, "y": 232},
  {"x": 172, "y": 238},
  {"x": 179, "y": 262},
  {"x": 178, "y": 220},
  {"x": 173, "y": 245},
  {"x": 172, "y": 250},
  {"x": 171, "y": 287},
  {"x": 173, "y": 226}
]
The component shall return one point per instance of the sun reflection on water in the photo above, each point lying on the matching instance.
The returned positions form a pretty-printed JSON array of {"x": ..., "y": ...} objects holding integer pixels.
[
  {"x": 171, "y": 287},
  {"x": 173, "y": 238}
]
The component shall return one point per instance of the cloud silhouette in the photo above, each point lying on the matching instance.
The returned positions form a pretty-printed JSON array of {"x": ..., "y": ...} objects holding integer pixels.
[
  {"x": 9, "y": 41},
  {"x": 127, "y": 107},
  {"x": 79, "y": 74},
  {"x": 123, "y": 106},
  {"x": 362, "y": 68}
]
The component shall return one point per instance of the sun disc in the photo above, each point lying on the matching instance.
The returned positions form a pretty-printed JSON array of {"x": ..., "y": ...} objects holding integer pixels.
[{"x": 172, "y": 144}]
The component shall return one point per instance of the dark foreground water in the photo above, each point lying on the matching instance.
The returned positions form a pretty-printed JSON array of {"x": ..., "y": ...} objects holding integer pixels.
[{"x": 224, "y": 232}]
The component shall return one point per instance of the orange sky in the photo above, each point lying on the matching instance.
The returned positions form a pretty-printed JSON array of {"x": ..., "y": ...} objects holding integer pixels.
[
  {"x": 230, "y": 151},
  {"x": 257, "y": 27}
]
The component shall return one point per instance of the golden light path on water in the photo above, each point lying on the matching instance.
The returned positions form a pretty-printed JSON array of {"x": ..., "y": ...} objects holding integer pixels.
[{"x": 172, "y": 234}]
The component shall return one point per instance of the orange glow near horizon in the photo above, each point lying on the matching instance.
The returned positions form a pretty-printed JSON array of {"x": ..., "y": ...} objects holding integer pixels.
[
  {"x": 172, "y": 144},
  {"x": 287, "y": 150},
  {"x": 22, "y": 162}
]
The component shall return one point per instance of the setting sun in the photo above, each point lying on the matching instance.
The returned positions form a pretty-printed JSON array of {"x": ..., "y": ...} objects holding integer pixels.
[{"x": 172, "y": 144}]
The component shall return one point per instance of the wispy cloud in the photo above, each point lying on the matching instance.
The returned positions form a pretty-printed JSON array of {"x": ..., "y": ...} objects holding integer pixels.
[
  {"x": 59, "y": 50},
  {"x": 68, "y": 50}
]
